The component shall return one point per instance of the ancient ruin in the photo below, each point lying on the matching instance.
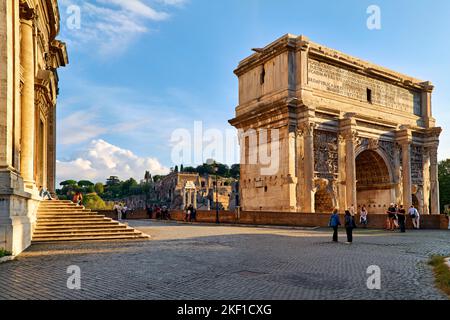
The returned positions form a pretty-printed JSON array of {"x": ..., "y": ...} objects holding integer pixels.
[{"x": 350, "y": 132}]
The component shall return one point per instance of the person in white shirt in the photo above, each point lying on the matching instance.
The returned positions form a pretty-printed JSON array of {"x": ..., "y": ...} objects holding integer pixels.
[
  {"x": 118, "y": 208},
  {"x": 415, "y": 217}
]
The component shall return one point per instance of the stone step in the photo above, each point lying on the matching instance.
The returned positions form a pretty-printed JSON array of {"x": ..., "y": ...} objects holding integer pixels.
[
  {"x": 91, "y": 238},
  {"x": 84, "y": 227},
  {"x": 64, "y": 209},
  {"x": 70, "y": 215},
  {"x": 54, "y": 233},
  {"x": 83, "y": 224},
  {"x": 67, "y": 220}
]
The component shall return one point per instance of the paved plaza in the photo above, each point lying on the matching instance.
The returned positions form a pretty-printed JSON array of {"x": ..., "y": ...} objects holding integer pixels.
[{"x": 228, "y": 262}]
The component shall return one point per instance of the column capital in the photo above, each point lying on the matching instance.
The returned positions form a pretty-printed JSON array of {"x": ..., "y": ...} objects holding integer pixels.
[
  {"x": 306, "y": 128},
  {"x": 404, "y": 136},
  {"x": 26, "y": 12}
]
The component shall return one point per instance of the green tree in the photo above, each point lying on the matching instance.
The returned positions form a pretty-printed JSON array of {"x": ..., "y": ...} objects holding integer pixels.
[
  {"x": 68, "y": 183},
  {"x": 112, "y": 181},
  {"x": 235, "y": 171},
  {"x": 444, "y": 183},
  {"x": 94, "y": 202},
  {"x": 99, "y": 188}
]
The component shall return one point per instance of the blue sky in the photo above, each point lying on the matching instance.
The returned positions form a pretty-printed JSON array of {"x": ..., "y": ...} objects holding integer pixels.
[{"x": 139, "y": 69}]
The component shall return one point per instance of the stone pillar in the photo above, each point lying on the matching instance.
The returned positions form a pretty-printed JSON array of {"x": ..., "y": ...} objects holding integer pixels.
[
  {"x": 293, "y": 205},
  {"x": 404, "y": 139},
  {"x": 306, "y": 130},
  {"x": 348, "y": 131},
  {"x": 434, "y": 180},
  {"x": 27, "y": 99},
  {"x": 397, "y": 175},
  {"x": 184, "y": 198},
  {"x": 342, "y": 201},
  {"x": 195, "y": 199},
  {"x": 426, "y": 182}
]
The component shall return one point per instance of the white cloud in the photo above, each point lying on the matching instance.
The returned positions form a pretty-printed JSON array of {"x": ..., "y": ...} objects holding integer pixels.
[
  {"x": 111, "y": 25},
  {"x": 102, "y": 159}
]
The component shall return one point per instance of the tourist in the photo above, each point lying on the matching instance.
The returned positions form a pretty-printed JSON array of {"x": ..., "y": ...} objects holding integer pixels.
[
  {"x": 158, "y": 213},
  {"x": 335, "y": 223},
  {"x": 44, "y": 193},
  {"x": 125, "y": 211},
  {"x": 390, "y": 217},
  {"x": 349, "y": 226},
  {"x": 118, "y": 209},
  {"x": 149, "y": 210},
  {"x": 401, "y": 215},
  {"x": 187, "y": 216},
  {"x": 193, "y": 217},
  {"x": 78, "y": 198},
  {"x": 415, "y": 217},
  {"x": 363, "y": 217},
  {"x": 352, "y": 210},
  {"x": 395, "y": 219}
]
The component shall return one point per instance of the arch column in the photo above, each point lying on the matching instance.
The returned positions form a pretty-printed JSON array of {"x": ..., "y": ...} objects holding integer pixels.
[
  {"x": 434, "y": 180},
  {"x": 404, "y": 139},
  {"x": 349, "y": 133},
  {"x": 27, "y": 99}
]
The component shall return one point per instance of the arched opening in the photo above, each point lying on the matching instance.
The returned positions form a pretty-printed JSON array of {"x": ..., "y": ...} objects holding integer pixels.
[
  {"x": 323, "y": 203},
  {"x": 374, "y": 184}
]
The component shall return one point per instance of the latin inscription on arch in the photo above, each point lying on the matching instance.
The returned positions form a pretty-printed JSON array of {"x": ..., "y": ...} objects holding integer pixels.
[{"x": 352, "y": 85}]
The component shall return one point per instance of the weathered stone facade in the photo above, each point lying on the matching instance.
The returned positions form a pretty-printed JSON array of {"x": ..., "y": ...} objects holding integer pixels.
[
  {"x": 29, "y": 58},
  {"x": 350, "y": 132},
  {"x": 180, "y": 189}
]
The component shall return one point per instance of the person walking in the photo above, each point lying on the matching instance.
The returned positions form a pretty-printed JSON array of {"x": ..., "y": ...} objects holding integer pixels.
[
  {"x": 187, "y": 216},
  {"x": 193, "y": 214},
  {"x": 335, "y": 223},
  {"x": 363, "y": 217},
  {"x": 390, "y": 217},
  {"x": 118, "y": 209},
  {"x": 415, "y": 217},
  {"x": 349, "y": 226},
  {"x": 401, "y": 215}
]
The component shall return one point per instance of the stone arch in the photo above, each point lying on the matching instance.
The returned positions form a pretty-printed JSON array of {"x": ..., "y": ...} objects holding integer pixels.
[{"x": 374, "y": 184}]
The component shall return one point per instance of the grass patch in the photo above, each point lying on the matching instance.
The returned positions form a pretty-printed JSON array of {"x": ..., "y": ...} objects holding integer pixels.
[
  {"x": 441, "y": 273},
  {"x": 4, "y": 253}
]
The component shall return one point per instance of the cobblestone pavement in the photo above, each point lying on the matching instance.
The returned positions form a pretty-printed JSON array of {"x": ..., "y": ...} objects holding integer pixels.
[{"x": 227, "y": 262}]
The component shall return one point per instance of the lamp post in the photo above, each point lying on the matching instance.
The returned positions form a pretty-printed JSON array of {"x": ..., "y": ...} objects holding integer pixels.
[{"x": 216, "y": 169}]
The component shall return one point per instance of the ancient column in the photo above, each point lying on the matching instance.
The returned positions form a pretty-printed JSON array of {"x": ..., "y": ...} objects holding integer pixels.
[
  {"x": 404, "y": 139},
  {"x": 27, "y": 99},
  {"x": 195, "y": 199},
  {"x": 426, "y": 181},
  {"x": 306, "y": 131},
  {"x": 342, "y": 201},
  {"x": 348, "y": 131},
  {"x": 184, "y": 198},
  {"x": 434, "y": 180},
  {"x": 397, "y": 175}
]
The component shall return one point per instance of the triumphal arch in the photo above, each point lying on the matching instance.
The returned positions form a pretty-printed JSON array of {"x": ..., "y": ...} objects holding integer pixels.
[
  {"x": 30, "y": 55},
  {"x": 349, "y": 132}
]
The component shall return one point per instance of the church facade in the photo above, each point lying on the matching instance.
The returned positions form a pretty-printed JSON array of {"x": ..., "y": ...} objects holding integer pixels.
[
  {"x": 30, "y": 55},
  {"x": 349, "y": 132}
]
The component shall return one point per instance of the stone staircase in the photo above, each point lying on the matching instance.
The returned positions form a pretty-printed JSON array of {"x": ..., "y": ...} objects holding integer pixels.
[{"x": 65, "y": 221}]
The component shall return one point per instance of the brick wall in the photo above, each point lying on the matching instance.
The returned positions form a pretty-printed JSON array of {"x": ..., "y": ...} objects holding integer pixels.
[{"x": 286, "y": 218}]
